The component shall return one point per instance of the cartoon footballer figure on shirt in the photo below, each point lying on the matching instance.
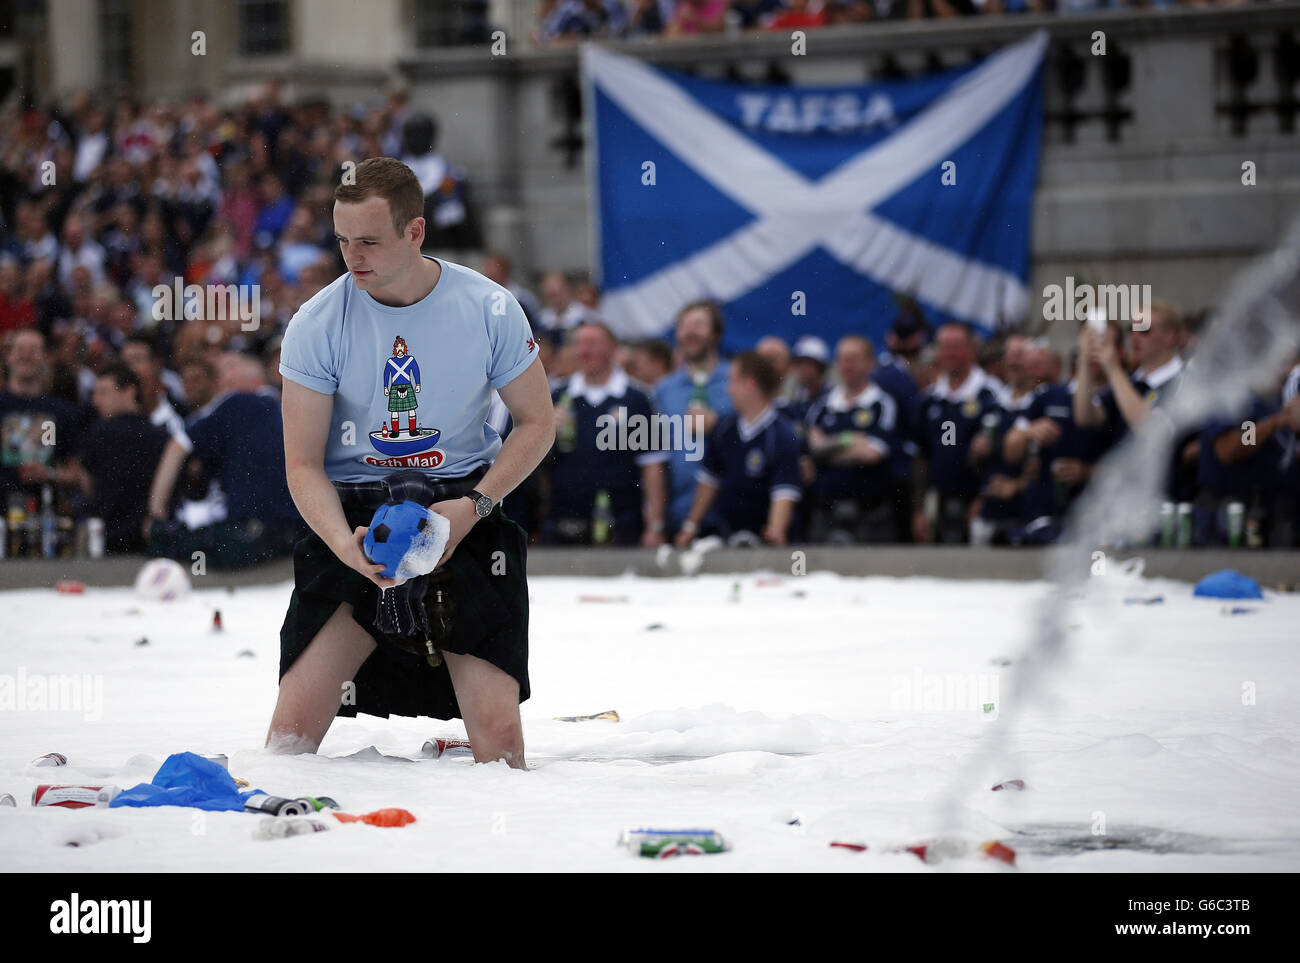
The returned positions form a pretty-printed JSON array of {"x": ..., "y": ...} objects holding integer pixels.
[{"x": 401, "y": 385}]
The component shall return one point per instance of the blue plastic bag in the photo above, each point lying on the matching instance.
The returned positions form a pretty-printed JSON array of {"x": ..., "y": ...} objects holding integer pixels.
[
  {"x": 186, "y": 779},
  {"x": 1228, "y": 584}
]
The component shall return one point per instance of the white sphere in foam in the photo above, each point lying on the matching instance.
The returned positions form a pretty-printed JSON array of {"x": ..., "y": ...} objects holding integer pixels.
[{"x": 162, "y": 580}]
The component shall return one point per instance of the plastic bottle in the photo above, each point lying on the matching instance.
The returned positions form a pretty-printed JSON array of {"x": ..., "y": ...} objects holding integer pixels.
[
  {"x": 699, "y": 395},
  {"x": 602, "y": 519},
  {"x": 16, "y": 518},
  {"x": 1254, "y": 526},
  {"x": 566, "y": 429}
]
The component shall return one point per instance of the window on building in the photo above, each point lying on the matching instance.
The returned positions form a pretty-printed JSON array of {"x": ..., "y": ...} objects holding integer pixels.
[
  {"x": 115, "y": 42},
  {"x": 263, "y": 26},
  {"x": 449, "y": 23}
]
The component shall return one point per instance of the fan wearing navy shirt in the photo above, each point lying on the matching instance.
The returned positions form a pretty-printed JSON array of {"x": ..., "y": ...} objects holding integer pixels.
[
  {"x": 119, "y": 454},
  {"x": 750, "y": 465},
  {"x": 595, "y": 406},
  {"x": 1126, "y": 400},
  {"x": 1001, "y": 497},
  {"x": 241, "y": 442},
  {"x": 852, "y": 432},
  {"x": 1240, "y": 459},
  {"x": 896, "y": 374},
  {"x": 38, "y": 432},
  {"x": 1046, "y": 433},
  {"x": 809, "y": 361},
  {"x": 954, "y": 447}
]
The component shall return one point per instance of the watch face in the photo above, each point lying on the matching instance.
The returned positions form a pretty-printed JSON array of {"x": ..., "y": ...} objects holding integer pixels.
[{"x": 483, "y": 505}]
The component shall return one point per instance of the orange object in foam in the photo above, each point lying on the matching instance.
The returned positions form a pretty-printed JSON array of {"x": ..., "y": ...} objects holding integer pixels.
[{"x": 380, "y": 817}]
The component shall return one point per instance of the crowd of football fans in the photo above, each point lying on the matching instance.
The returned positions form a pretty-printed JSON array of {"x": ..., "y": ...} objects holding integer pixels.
[
  {"x": 944, "y": 436},
  {"x": 563, "y": 21},
  {"x": 127, "y": 399}
]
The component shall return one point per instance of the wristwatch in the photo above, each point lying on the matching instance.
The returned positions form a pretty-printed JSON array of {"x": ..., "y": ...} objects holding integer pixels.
[{"x": 482, "y": 504}]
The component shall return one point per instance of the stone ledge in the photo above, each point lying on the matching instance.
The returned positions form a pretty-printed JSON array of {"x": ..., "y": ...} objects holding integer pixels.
[{"x": 1270, "y": 568}]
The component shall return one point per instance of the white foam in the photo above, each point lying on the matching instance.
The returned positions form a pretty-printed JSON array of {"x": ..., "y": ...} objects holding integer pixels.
[{"x": 425, "y": 549}]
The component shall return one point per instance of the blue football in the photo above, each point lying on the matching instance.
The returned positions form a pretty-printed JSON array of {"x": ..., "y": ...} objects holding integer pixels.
[{"x": 392, "y": 530}]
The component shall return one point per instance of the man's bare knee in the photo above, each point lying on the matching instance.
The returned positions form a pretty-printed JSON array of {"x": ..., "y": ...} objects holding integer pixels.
[
  {"x": 290, "y": 743},
  {"x": 314, "y": 687}
]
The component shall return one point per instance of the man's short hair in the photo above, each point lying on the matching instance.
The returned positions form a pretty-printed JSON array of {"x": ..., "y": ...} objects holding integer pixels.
[
  {"x": 867, "y": 346},
  {"x": 144, "y": 338},
  {"x": 27, "y": 332},
  {"x": 601, "y": 325},
  {"x": 714, "y": 311},
  {"x": 123, "y": 377},
  {"x": 753, "y": 365},
  {"x": 660, "y": 351},
  {"x": 1168, "y": 315},
  {"x": 390, "y": 179}
]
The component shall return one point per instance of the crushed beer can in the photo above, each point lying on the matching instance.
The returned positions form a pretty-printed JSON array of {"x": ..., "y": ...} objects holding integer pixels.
[
  {"x": 665, "y": 843},
  {"x": 279, "y": 806},
  {"x": 439, "y": 747},
  {"x": 74, "y": 797},
  {"x": 51, "y": 759}
]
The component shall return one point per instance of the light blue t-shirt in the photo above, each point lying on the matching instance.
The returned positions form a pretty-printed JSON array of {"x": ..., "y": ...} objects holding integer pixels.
[{"x": 412, "y": 386}]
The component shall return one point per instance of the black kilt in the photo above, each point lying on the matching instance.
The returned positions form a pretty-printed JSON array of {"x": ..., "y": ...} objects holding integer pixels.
[{"x": 491, "y": 619}]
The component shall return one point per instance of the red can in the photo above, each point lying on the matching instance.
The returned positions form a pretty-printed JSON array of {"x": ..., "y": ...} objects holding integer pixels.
[
  {"x": 438, "y": 746},
  {"x": 51, "y": 759},
  {"x": 74, "y": 797},
  {"x": 69, "y": 586}
]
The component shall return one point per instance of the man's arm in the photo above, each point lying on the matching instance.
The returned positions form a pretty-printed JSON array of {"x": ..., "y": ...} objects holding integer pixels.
[
  {"x": 705, "y": 492},
  {"x": 164, "y": 481},
  {"x": 528, "y": 398},
  {"x": 1086, "y": 414},
  {"x": 306, "y": 414},
  {"x": 73, "y": 474},
  {"x": 1015, "y": 445},
  {"x": 780, "y": 513},
  {"x": 1229, "y": 447},
  {"x": 1132, "y": 407},
  {"x": 1131, "y": 404},
  {"x": 655, "y": 488}
]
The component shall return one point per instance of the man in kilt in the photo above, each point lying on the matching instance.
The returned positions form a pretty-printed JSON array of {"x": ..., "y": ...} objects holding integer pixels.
[{"x": 454, "y": 643}]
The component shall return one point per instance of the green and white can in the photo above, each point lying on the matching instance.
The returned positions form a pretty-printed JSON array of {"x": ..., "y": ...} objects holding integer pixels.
[{"x": 665, "y": 843}]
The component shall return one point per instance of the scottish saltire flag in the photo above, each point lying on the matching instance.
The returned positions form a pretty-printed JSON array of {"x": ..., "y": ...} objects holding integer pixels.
[{"x": 754, "y": 195}]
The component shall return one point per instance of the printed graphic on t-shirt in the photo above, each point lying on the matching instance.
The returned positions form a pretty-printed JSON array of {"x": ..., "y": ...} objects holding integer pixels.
[
  {"x": 21, "y": 441},
  {"x": 406, "y": 444}
]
